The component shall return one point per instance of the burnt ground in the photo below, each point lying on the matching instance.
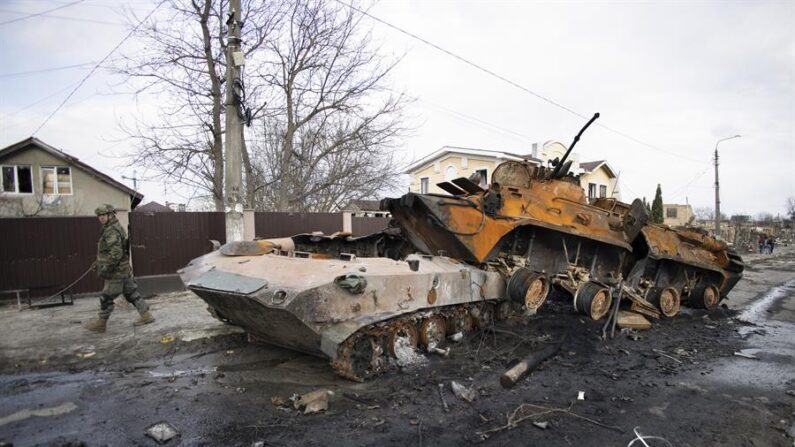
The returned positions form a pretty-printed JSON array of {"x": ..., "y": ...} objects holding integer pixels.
[{"x": 681, "y": 380}]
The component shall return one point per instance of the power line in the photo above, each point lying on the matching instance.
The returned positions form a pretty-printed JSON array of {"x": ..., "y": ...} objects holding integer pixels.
[
  {"x": 132, "y": 31},
  {"x": 40, "y": 100},
  {"x": 30, "y": 16},
  {"x": 478, "y": 121},
  {"x": 513, "y": 83},
  {"x": 45, "y": 70},
  {"x": 76, "y": 19}
]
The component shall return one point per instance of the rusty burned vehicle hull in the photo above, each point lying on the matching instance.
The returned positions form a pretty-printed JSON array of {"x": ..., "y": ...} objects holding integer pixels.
[
  {"x": 330, "y": 302},
  {"x": 450, "y": 262},
  {"x": 536, "y": 229},
  {"x": 672, "y": 265}
]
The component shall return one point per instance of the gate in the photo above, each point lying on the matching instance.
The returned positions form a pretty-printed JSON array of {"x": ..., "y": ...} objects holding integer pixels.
[{"x": 162, "y": 243}]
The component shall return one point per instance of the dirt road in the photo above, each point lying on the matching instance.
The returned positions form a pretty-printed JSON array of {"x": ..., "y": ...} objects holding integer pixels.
[{"x": 681, "y": 380}]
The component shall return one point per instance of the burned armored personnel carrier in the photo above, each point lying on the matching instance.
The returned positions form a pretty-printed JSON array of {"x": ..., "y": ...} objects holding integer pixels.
[{"x": 448, "y": 264}]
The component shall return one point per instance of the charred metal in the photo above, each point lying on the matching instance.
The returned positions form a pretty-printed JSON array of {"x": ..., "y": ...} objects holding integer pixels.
[{"x": 449, "y": 264}]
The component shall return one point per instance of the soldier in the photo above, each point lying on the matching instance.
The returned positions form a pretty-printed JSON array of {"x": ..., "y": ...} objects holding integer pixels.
[{"x": 113, "y": 265}]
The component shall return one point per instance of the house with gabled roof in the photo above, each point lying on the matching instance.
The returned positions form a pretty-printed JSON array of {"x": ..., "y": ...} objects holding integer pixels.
[
  {"x": 37, "y": 179},
  {"x": 597, "y": 178}
]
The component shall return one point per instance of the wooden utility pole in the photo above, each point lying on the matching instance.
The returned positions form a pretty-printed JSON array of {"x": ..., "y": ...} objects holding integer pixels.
[
  {"x": 233, "y": 175},
  {"x": 717, "y": 187}
]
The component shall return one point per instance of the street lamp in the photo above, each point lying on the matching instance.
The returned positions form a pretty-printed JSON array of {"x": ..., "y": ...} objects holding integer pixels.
[{"x": 717, "y": 187}]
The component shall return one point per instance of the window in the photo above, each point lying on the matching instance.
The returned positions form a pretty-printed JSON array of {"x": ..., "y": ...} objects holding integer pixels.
[
  {"x": 670, "y": 212},
  {"x": 602, "y": 190},
  {"x": 56, "y": 180},
  {"x": 591, "y": 190},
  {"x": 424, "y": 185},
  {"x": 17, "y": 179},
  {"x": 450, "y": 173},
  {"x": 484, "y": 177}
]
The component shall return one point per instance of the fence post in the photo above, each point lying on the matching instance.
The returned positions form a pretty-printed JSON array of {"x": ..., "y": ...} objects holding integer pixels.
[
  {"x": 249, "y": 225},
  {"x": 347, "y": 222}
]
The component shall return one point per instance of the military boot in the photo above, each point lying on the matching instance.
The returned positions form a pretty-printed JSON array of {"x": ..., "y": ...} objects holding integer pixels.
[
  {"x": 145, "y": 318},
  {"x": 97, "y": 325}
]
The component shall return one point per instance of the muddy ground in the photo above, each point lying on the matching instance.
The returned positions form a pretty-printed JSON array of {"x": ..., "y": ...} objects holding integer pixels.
[{"x": 681, "y": 380}]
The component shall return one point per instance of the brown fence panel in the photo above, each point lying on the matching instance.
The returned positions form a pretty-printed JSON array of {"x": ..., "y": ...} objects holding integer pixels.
[
  {"x": 162, "y": 243},
  {"x": 45, "y": 252},
  {"x": 362, "y": 226},
  {"x": 272, "y": 224}
]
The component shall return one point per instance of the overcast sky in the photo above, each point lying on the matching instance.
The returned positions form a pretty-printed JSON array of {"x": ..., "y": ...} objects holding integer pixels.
[{"x": 669, "y": 78}]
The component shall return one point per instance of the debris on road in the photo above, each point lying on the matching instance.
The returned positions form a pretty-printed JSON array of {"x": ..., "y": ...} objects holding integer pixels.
[
  {"x": 543, "y": 425},
  {"x": 279, "y": 401},
  {"x": 314, "y": 401},
  {"x": 644, "y": 438},
  {"x": 162, "y": 432},
  {"x": 531, "y": 411},
  {"x": 168, "y": 338},
  {"x": 463, "y": 392},
  {"x": 746, "y": 355},
  {"x": 512, "y": 375},
  {"x": 631, "y": 320},
  {"x": 581, "y": 395},
  {"x": 441, "y": 396}
]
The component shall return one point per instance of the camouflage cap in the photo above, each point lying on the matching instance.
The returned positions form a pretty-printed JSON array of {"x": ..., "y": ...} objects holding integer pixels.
[{"x": 105, "y": 208}]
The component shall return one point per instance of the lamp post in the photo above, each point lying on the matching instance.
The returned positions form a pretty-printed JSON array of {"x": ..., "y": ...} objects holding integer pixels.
[{"x": 717, "y": 187}]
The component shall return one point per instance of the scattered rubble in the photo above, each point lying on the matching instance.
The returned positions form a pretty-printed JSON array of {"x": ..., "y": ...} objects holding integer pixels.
[
  {"x": 631, "y": 320},
  {"x": 314, "y": 401},
  {"x": 463, "y": 392},
  {"x": 162, "y": 432}
]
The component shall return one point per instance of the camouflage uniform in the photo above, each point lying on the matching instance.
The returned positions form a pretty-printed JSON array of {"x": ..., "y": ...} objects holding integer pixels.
[{"x": 113, "y": 265}]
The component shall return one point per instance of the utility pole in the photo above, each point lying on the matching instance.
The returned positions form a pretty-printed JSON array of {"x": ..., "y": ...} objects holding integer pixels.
[
  {"x": 234, "y": 128},
  {"x": 717, "y": 187},
  {"x": 134, "y": 179}
]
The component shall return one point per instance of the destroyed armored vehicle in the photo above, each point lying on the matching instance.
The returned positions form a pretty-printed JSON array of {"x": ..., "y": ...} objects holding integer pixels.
[{"x": 449, "y": 264}]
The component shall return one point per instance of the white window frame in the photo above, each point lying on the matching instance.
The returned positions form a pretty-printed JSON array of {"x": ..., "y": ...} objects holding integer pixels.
[
  {"x": 55, "y": 185},
  {"x": 600, "y": 191},
  {"x": 428, "y": 185},
  {"x": 595, "y": 190},
  {"x": 16, "y": 180},
  {"x": 487, "y": 174}
]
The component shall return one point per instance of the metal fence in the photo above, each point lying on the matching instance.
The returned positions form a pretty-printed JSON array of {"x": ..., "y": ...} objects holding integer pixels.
[
  {"x": 162, "y": 243},
  {"x": 362, "y": 226},
  {"x": 42, "y": 253},
  {"x": 272, "y": 224}
]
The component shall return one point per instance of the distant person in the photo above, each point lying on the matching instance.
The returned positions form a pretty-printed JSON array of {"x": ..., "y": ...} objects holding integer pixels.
[
  {"x": 770, "y": 245},
  {"x": 113, "y": 265},
  {"x": 761, "y": 242}
]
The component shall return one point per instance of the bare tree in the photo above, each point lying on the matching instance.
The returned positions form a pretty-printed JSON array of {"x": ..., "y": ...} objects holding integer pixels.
[
  {"x": 182, "y": 63},
  {"x": 764, "y": 217},
  {"x": 331, "y": 125},
  {"x": 791, "y": 207},
  {"x": 704, "y": 213}
]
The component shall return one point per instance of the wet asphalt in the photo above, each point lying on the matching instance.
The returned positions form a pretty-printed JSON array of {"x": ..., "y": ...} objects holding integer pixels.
[{"x": 219, "y": 390}]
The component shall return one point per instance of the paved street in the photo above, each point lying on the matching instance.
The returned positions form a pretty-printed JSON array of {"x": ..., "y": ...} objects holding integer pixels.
[{"x": 680, "y": 380}]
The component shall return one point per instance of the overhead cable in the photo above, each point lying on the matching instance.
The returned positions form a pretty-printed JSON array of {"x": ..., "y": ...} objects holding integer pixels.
[
  {"x": 93, "y": 70},
  {"x": 513, "y": 83},
  {"x": 30, "y": 16},
  {"x": 44, "y": 70}
]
